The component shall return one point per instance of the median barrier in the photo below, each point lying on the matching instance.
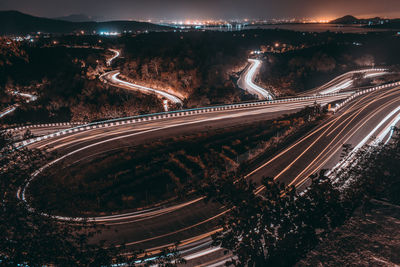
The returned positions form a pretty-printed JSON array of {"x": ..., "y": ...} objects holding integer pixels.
[{"x": 132, "y": 120}]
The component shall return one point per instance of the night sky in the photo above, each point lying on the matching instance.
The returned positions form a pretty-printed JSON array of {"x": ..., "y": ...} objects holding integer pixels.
[{"x": 203, "y": 9}]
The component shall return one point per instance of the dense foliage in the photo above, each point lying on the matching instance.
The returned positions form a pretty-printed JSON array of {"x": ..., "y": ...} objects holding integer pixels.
[
  {"x": 31, "y": 238},
  {"x": 28, "y": 237},
  {"x": 201, "y": 66},
  {"x": 303, "y": 69},
  {"x": 279, "y": 225},
  {"x": 64, "y": 79}
]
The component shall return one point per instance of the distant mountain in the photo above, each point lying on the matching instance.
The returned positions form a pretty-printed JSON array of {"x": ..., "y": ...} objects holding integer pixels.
[
  {"x": 15, "y": 22},
  {"x": 345, "y": 20},
  {"x": 369, "y": 22},
  {"x": 76, "y": 18}
]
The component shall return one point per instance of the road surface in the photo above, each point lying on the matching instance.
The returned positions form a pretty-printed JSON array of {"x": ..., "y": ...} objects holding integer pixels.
[
  {"x": 246, "y": 80},
  {"x": 112, "y": 78},
  {"x": 345, "y": 81},
  {"x": 9, "y": 110},
  {"x": 192, "y": 222}
]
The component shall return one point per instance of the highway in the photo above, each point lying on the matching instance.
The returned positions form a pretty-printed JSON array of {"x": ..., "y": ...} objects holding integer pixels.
[
  {"x": 192, "y": 222},
  {"x": 246, "y": 80},
  {"x": 345, "y": 81}
]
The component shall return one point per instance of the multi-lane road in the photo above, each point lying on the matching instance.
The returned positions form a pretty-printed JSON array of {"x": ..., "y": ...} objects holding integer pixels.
[
  {"x": 192, "y": 222},
  {"x": 346, "y": 81}
]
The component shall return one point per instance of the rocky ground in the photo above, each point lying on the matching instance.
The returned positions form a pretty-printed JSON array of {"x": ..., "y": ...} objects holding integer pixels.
[{"x": 370, "y": 238}]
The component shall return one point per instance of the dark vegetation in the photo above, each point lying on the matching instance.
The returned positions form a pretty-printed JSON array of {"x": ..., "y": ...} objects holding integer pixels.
[
  {"x": 30, "y": 238},
  {"x": 368, "y": 238},
  {"x": 299, "y": 70},
  {"x": 64, "y": 79},
  {"x": 162, "y": 170},
  {"x": 280, "y": 226},
  {"x": 14, "y": 22},
  {"x": 10, "y": 53},
  {"x": 203, "y": 66},
  {"x": 197, "y": 65}
]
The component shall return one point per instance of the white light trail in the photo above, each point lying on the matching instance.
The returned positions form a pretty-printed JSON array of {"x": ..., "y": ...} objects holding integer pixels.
[
  {"x": 168, "y": 96},
  {"x": 11, "y": 109},
  {"x": 7, "y": 111},
  {"x": 116, "y": 52},
  {"x": 346, "y": 161},
  {"x": 249, "y": 80},
  {"x": 371, "y": 75},
  {"x": 346, "y": 84}
]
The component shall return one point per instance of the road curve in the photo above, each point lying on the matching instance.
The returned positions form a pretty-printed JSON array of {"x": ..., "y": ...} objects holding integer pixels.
[
  {"x": 345, "y": 81},
  {"x": 193, "y": 222},
  {"x": 12, "y": 108},
  {"x": 246, "y": 80},
  {"x": 112, "y": 78},
  {"x": 188, "y": 221},
  {"x": 116, "y": 53}
]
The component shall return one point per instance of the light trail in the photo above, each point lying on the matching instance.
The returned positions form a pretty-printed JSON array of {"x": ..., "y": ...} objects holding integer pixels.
[
  {"x": 131, "y": 86},
  {"x": 255, "y": 65},
  {"x": 116, "y": 52},
  {"x": 376, "y": 141},
  {"x": 152, "y": 213},
  {"x": 372, "y": 75},
  {"x": 8, "y": 111},
  {"x": 344, "y": 85},
  {"x": 11, "y": 109},
  {"x": 127, "y": 85},
  {"x": 344, "y": 81}
]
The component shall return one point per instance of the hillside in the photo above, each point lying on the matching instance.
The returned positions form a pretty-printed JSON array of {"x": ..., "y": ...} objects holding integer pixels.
[
  {"x": 14, "y": 22},
  {"x": 367, "y": 239},
  {"x": 76, "y": 18},
  {"x": 345, "y": 20},
  {"x": 377, "y": 21}
]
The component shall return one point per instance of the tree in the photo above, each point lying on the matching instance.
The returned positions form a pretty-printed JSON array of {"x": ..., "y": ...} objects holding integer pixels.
[
  {"x": 278, "y": 226},
  {"x": 34, "y": 239}
]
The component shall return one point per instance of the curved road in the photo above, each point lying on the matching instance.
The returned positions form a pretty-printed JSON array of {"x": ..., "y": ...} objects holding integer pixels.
[
  {"x": 12, "y": 108},
  {"x": 112, "y": 78},
  {"x": 193, "y": 222},
  {"x": 246, "y": 80}
]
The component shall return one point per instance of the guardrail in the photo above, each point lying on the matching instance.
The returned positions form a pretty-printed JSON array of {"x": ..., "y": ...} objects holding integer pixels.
[
  {"x": 170, "y": 114},
  {"x": 57, "y": 124},
  {"x": 187, "y": 112},
  {"x": 339, "y": 106}
]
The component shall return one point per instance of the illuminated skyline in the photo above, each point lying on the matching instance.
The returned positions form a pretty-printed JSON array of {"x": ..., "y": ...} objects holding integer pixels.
[{"x": 206, "y": 9}]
